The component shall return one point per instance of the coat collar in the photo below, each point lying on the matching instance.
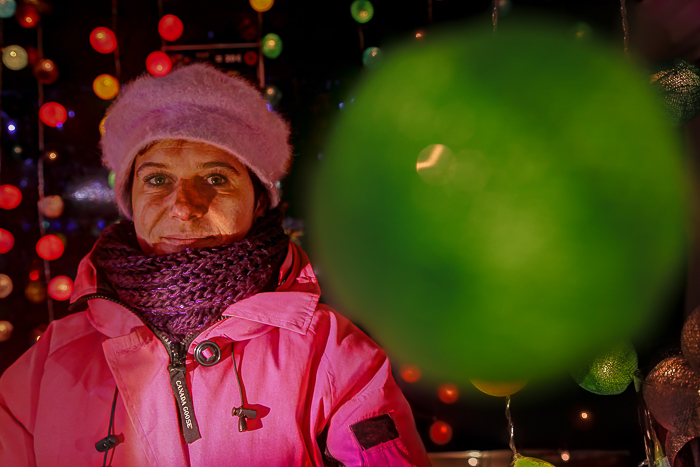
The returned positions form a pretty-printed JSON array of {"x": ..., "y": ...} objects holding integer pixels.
[{"x": 291, "y": 306}]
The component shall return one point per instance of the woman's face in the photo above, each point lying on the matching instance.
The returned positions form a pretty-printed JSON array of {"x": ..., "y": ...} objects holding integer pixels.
[{"x": 190, "y": 195}]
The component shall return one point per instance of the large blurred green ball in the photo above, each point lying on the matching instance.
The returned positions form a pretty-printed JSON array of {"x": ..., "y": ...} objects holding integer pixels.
[
  {"x": 609, "y": 372},
  {"x": 499, "y": 206}
]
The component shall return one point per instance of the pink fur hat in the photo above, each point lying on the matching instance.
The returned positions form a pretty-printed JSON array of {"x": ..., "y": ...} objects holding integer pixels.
[{"x": 195, "y": 103}]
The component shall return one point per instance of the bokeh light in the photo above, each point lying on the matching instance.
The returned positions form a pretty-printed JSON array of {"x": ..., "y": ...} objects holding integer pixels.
[
  {"x": 103, "y": 40},
  {"x": 102, "y": 125},
  {"x": 5, "y": 330},
  {"x": 372, "y": 57},
  {"x": 158, "y": 63},
  {"x": 170, "y": 27},
  {"x": 60, "y": 288},
  {"x": 10, "y": 196},
  {"x": 582, "y": 31},
  {"x": 27, "y": 16},
  {"x": 261, "y": 6},
  {"x": 5, "y": 285},
  {"x": 6, "y": 241},
  {"x": 53, "y": 114},
  {"x": 272, "y": 94},
  {"x": 250, "y": 58},
  {"x": 448, "y": 393},
  {"x": 410, "y": 373},
  {"x": 271, "y": 45},
  {"x": 522, "y": 461},
  {"x": 35, "y": 292},
  {"x": 106, "y": 87},
  {"x": 51, "y": 206},
  {"x": 362, "y": 11},
  {"x": 7, "y": 8},
  {"x": 46, "y": 71},
  {"x": 111, "y": 178},
  {"x": 440, "y": 433},
  {"x": 548, "y": 183},
  {"x": 49, "y": 247},
  {"x": 15, "y": 57}
]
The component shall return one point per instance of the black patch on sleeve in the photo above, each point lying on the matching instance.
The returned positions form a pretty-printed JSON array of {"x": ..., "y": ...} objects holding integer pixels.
[
  {"x": 328, "y": 459},
  {"x": 375, "y": 431}
]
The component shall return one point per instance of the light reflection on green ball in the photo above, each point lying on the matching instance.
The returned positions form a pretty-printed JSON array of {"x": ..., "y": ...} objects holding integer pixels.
[
  {"x": 554, "y": 229},
  {"x": 372, "y": 57}
]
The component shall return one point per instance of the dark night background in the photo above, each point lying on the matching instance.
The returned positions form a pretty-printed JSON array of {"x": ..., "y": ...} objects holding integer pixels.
[{"x": 320, "y": 62}]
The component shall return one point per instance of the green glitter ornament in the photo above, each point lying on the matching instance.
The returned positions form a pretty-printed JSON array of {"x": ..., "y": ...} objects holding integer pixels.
[
  {"x": 522, "y": 461},
  {"x": 609, "y": 372},
  {"x": 111, "y": 179},
  {"x": 362, "y": 11},
  {"x": 486, "y": 212}
]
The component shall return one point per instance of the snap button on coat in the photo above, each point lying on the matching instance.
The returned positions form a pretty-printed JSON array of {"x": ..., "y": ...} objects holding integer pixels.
[{"x": 207, "y": 353}]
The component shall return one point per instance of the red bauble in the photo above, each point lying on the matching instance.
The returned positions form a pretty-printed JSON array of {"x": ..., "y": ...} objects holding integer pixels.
[
  {"x": 53, "y": 114},
  {"x": 440, "y": 433},
  {"x": 170, "y": 27},
  {"x": 27, "y": 16},
  {"x": 6, "y": 241},
  {"x": 448, "y": 393},
  {"x": 32, "y": 55},
  {"x": 250, "y": 58},
  {"x": 103, "y": 40},
  {"x": 60, "y": 288},
  {"x": 410, "y": 373},
  {"x": 158, "y": 63},
  {"x": 49, "y": 247},
  {"x": 10, "y": 196},
  {"x": 46, "y": 71}
]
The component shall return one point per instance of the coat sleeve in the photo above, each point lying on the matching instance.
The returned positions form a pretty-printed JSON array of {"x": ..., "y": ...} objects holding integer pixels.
[
  {"x": 19, "y": 396},
  {"x": 368, "y": 423}
]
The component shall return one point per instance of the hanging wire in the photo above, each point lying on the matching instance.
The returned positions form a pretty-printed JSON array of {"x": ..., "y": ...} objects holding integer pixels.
[
  {"x": 261, "y": 62},
  {"x": 625, "y": 26},
  {"x": 160, "y": 15},
  {"x": 40, "y": 170},
  {"x": 430, "y": 11},
  {"x": 494, "y": 15},
  {"x": 510, "y": 427},
  {"x": 362, "y": 38},
  {"x": 117, "y": 62},
  {"x": 2, "y": 44}
]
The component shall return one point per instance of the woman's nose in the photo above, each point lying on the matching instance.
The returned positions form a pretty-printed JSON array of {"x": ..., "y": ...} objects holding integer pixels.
[{"x": 189, "y": 202}]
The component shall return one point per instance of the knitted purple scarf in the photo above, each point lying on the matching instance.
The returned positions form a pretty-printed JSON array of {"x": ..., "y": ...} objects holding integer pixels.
[{"x": 182, "y": 292}]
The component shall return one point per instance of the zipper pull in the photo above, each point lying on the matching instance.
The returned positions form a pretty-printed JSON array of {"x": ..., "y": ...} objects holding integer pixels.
[{"x": 188, "y": 423}]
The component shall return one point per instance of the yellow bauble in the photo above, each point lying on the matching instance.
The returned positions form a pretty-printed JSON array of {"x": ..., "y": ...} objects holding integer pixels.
[
  {"x": 261, "y": 5},
  {"x": 498, "y": 389},
  {"x": 106, "y": 87}
]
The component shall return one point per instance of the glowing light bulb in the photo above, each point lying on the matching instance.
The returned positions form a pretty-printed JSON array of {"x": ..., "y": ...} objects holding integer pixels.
[{"x": 15, "y": 57}]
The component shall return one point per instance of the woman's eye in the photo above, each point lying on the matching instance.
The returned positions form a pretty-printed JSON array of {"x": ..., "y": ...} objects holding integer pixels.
[
  {"x": 216, "y": 180},
  {"x": 157, "y": 180}
]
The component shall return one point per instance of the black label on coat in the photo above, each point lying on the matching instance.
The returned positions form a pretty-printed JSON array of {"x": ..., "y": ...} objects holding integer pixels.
[
  {"x": 375, "y": 431},
  {"x": 190, "y": 429}
]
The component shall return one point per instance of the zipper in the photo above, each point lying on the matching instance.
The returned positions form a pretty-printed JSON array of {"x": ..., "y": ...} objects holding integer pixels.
[{"x": 177, "y": 351}]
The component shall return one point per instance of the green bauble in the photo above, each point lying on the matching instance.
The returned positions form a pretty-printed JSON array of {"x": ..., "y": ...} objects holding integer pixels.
[
  {"x": 609, "y": 372},
  {"x": 498, "y": 207},
  {"x": 271, "y": 45},
  {"x": 362, "y": 11}
]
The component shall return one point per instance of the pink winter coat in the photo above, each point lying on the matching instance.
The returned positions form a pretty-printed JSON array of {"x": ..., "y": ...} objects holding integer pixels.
[{"x": 323, "y": 391}]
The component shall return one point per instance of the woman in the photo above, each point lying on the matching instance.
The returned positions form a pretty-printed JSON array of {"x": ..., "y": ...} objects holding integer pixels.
[{"x": 198, "y": 337}]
